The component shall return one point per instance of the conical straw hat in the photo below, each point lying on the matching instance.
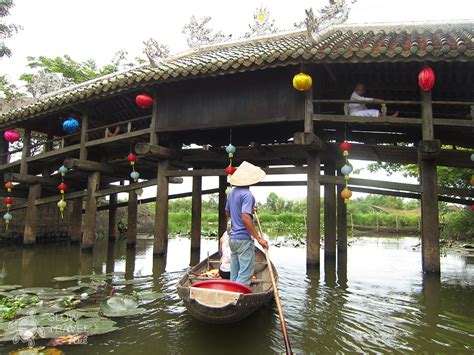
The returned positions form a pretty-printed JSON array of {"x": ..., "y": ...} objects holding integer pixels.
[{"x": 246, "y": 175}]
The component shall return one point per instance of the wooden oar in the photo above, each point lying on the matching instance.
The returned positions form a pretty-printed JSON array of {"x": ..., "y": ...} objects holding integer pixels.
[{"x": 277, "y": 296}]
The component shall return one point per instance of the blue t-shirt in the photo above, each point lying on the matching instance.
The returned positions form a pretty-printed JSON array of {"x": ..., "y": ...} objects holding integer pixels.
[{"x": 240, "y": 200}]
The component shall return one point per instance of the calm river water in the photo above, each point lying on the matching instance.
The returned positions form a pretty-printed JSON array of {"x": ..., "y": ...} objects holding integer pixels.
[{"x": 374, "y": 300}]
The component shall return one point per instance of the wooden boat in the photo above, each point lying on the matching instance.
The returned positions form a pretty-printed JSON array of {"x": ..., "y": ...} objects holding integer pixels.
[{"x": 217, "y": 306}]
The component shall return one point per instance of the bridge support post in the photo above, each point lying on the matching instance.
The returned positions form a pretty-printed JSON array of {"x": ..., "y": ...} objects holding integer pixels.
[
  {"x": 31, "y": 218},
  {"x": 313, "y": 219},
  {"x": 88, "y": 239},
  {"x": 132, "y": 217},
  {"x": 76, "y": 220},
  {"x": 113, "y": 217},
  {"x": 341, "y": 221},
  {"x": 329, "y": 213},
  {"x": 160, "y": 244},
  {"x": 196, "y": 213},
  {"x": 222, "y": 203},
  {"x": 428, "y": 151}
]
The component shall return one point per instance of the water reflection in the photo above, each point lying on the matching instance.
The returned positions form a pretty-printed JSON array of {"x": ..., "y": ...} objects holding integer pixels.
[{"x": 374, "y": 298}]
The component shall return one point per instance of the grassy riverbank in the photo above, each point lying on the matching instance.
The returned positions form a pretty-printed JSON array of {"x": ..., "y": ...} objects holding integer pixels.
[{"x": 288, "y": 217}]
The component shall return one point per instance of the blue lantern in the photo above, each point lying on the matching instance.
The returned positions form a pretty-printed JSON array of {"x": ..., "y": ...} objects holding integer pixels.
[
  {"x": 62, "y": 170},
  {"x": 70, "y": 125},
  {"x": 134, "y": 175},
  {"x": 7, "y": 217},
  {"x": 346, "y": 169},
  {"x": 231, "y": 150},
  {"x": 472, "y": 157}
]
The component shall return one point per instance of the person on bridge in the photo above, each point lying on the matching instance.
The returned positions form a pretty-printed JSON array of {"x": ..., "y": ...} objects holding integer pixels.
[
  {"x": 359, "y": 109},
  {"x": 240, "y": 206}
]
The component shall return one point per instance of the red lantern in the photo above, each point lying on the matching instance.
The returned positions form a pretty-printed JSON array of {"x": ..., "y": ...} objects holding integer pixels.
[
  {"x": 144, "y": 100},
  {"x": 62, "y": 187},
  {"x": 345, "y": 147},
  {"x": 472, "y": 208},
  {"x": 132, "y": 158},
  {"x": 426, "y": 78},
  {"x": 230, "y": 170},
  {"x": 8, "y": 201},
  {"x": 11, "y": 135}
]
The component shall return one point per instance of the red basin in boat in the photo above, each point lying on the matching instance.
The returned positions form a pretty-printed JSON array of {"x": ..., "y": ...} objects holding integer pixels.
[{"x": 223, "y": 285}]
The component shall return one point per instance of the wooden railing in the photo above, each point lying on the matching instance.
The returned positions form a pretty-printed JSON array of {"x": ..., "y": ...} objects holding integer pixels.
[{"x": 63, "y": 139}]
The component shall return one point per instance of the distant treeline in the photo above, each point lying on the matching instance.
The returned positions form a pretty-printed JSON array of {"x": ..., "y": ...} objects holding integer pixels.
[{"x": 288, "y": 217}]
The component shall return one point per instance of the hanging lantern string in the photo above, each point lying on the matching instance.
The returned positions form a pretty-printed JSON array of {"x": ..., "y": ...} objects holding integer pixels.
[{"x": 230, "y": 136}]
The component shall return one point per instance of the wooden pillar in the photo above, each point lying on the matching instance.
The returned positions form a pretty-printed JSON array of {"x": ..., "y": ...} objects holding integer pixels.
[
  {"x": 113, "y": 217},
  {"x": 329, "y": 213},
  {"x": 4, "y": 147},
  {"x": 341, "y": 220},
  {"x": 31, "y": 218},
  {"x": 222, "y": 202},
  {"x": 313, "y": 218},
  {"x": 25, "y": 152},
  {"x": 160, "y": 245},
  {"x": 428, "y": 151},
  {"x": 154, "y": 120},
  {"x": 132, "y": 219},
  {"x": 84, "y": 136},
  {"x": 76, "y": 220},
  {"x": 308, "y": 111},
  {"x": 88, "y": 239},
  {"x": 196, "y": 212}
]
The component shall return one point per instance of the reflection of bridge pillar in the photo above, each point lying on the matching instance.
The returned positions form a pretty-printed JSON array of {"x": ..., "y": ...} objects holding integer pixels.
[
  {"x": 132, "y": 217},
  {"x": 110, "y": 261}
]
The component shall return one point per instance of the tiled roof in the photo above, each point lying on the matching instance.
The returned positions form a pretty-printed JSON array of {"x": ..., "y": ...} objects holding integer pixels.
[{"x": 340, "y": 44}]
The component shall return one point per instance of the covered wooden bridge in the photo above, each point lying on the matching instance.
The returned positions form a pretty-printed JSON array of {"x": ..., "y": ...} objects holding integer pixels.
[{"x": 244, "y": 90}]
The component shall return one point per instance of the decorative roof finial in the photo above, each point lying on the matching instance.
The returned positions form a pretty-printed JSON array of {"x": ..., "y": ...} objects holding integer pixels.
[{"x": 155, "y": 51}]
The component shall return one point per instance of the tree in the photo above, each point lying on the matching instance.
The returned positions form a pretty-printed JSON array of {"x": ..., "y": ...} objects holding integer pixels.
[
  {"x": 6, "y": 30},
  {"x": 9, "y": 90},
  {"x": 262, "y": 23},
  {"x": 199, "y": 34},
  {"x": 51, "y": 74},
  {"x": 447, "y": 177}
]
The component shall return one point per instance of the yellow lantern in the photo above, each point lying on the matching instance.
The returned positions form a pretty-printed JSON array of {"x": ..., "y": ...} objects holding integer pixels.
[
  {"x": 62, "y": 206},
  {"x": 346, "y": 194},
  {"x": 302, "y": 82}
]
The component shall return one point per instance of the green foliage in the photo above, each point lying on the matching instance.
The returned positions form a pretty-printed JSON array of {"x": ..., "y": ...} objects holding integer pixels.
[
  {"x": 9, "y": 90},
  {"x": 6, "y": 30},
  {"x": 459, "y": 224}
]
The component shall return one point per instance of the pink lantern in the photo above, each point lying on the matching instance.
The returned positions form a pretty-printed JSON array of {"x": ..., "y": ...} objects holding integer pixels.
[
  {"x": 11, "y": 135},
  {"x": 426, "y": 78}
]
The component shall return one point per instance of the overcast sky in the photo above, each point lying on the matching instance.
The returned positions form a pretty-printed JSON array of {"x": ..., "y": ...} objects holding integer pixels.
[{"x": 98, "y": 29}]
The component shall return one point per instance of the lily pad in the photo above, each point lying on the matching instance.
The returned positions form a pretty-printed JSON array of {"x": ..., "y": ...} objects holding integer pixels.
[
  {"x": 68, "y": 278},
  {"x": 77, "y": 314},
  {"x": 96, "y": 326},
  {"x": 147, "y": 295},
  {"x": 132, "y": 282},
  {"x": 9, "y": 287},
  {"x": 120, "y": 306}
]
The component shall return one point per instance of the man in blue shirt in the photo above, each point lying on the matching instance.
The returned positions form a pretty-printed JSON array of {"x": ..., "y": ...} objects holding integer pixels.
[{"x": 240, "y": 206}]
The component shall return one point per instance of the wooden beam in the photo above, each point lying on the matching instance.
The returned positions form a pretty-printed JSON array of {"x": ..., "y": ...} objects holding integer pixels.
[
  {"x": 88, "y": 239},
  {"x": 313, "y": 238},
  {"x": 30, "y": 179},
  {"x": 196, "y": 212},
  {"x": 117, "y": 138},
  {"x": 89, "y": 166},
  {"x": 160, "y": 244},
  {"x": 154, "y": 150},
  {"x": 308, "y": 141},
  {"x": 132, "y": 219},
  {"x": 84, "y": 136},
  {"x": 221, "y": 172},
  {"x": 31, "y": 218},
  {"x": 134, "y": 186}
]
